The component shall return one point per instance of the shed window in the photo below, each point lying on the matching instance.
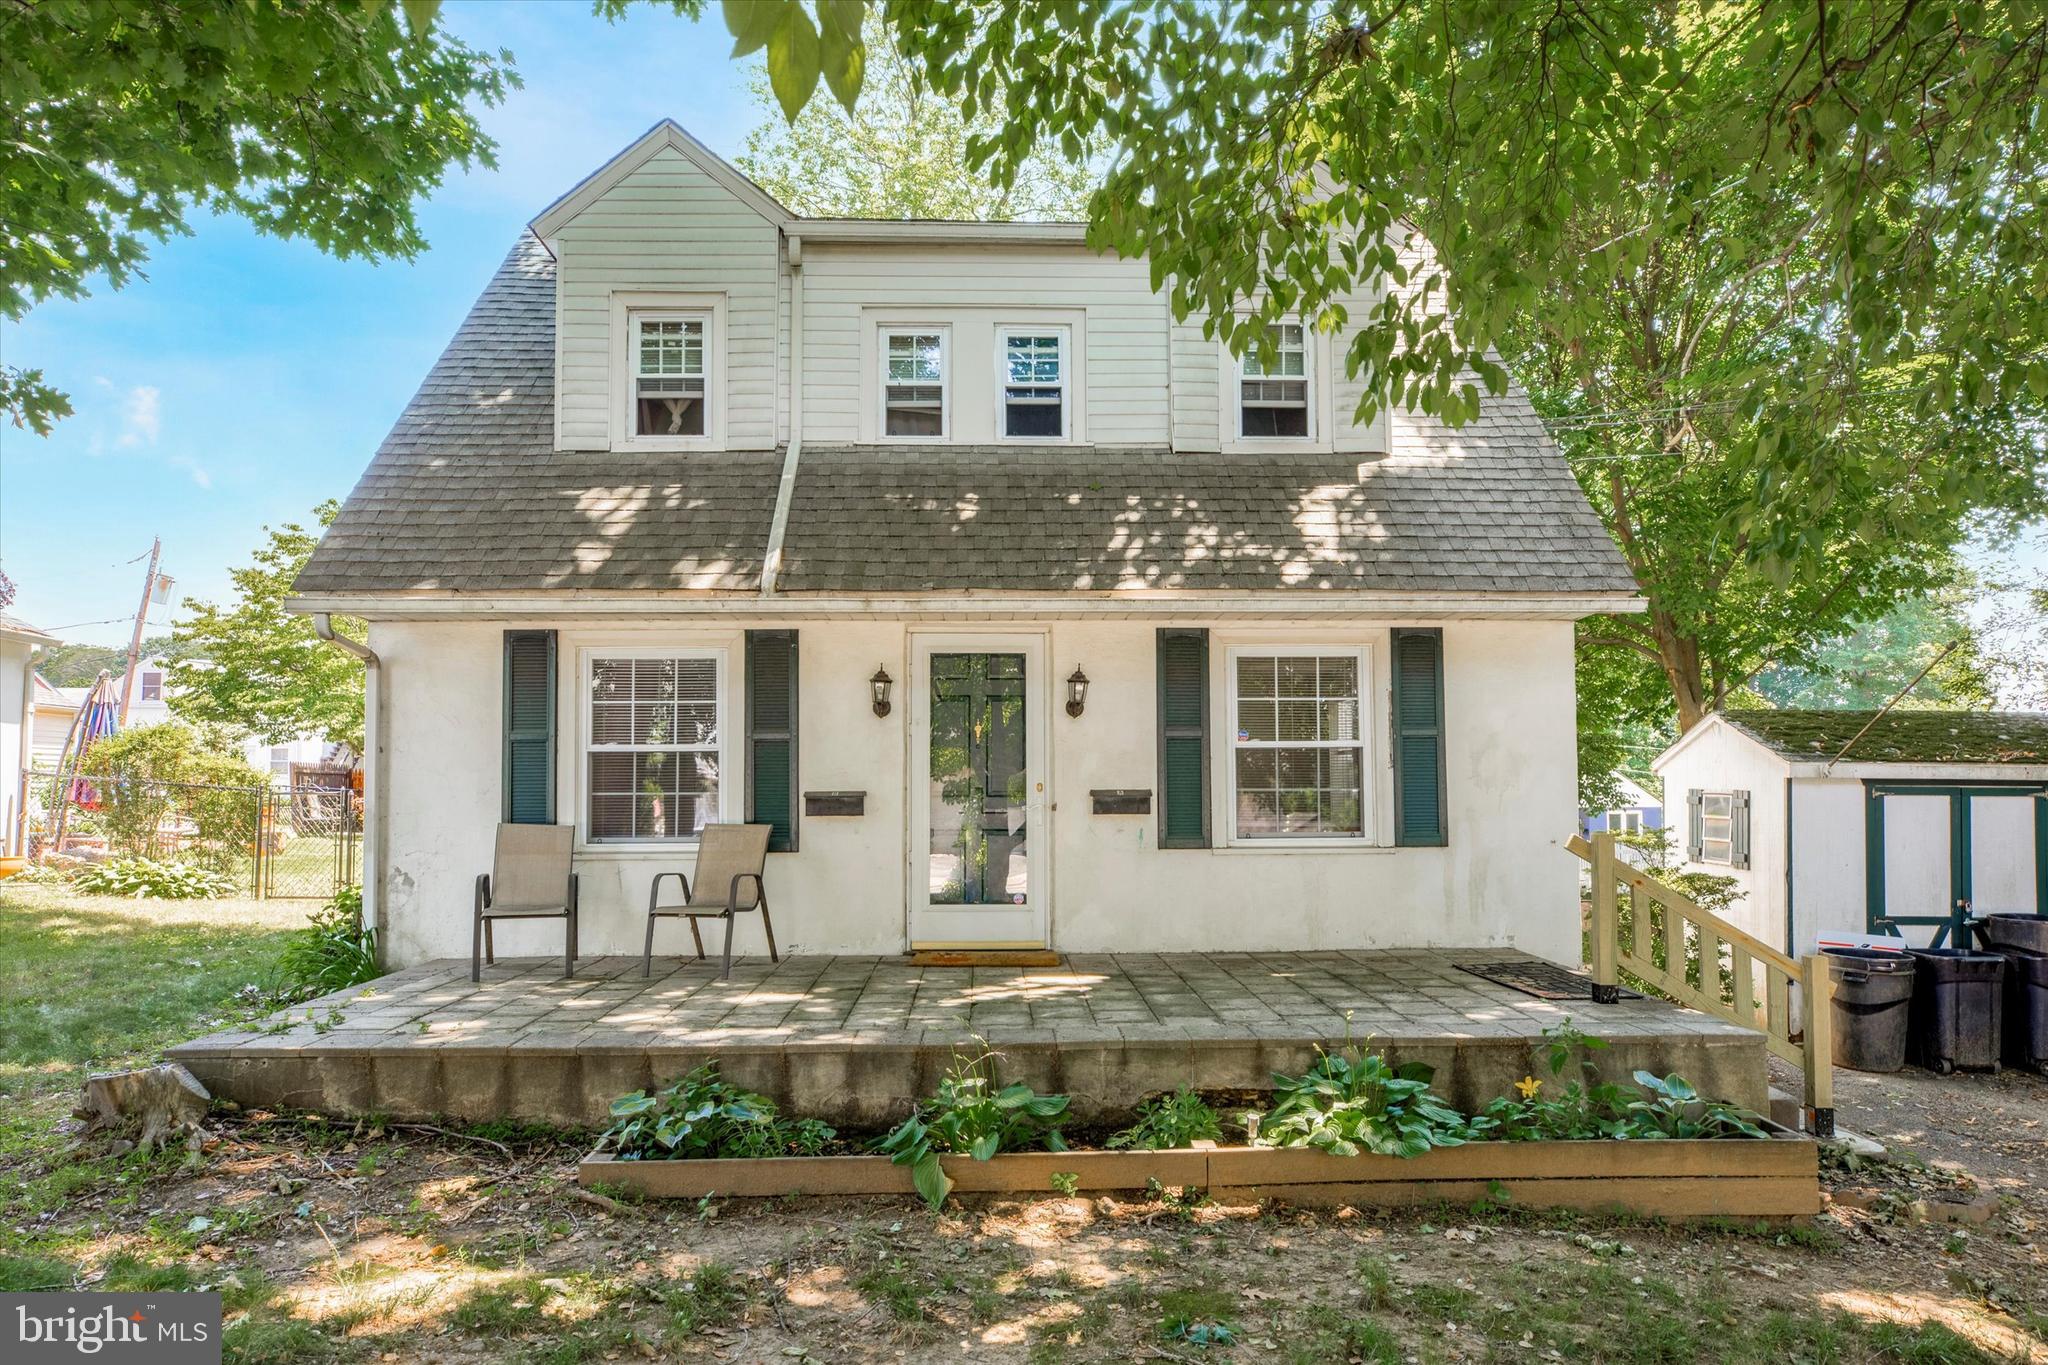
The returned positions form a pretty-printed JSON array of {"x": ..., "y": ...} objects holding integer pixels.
[
  {"x": 914, "y": 383},
  {"x": 654, "y": 744},
  {"x": 1273, "y": 391},
  {"x": 1717, "y": 827},
  {"x": 1034, "y": 382},
  {"x": 669, "y": 375},
  {"x": 1298, "y": 747}
]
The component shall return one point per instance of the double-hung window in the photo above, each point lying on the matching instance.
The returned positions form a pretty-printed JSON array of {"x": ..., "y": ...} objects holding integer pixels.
[
  {"x": 1298, "y": 743},
  {"x": 1717, "y": 827},
  {"x": 1273, "y": 388},
  {"x": 671, "y": 369},
  {"x": 654, "y": 743},
  {"x": 1034, "y": 382},
  {"x": 914, "y": 382}
]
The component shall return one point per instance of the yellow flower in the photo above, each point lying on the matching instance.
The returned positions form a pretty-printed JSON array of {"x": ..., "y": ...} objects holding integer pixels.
[{"x": 1528, "y": 1085}]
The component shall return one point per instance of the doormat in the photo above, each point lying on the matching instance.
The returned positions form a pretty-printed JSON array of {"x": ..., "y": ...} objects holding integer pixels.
[
  {"x": 1533, "y": 976},
  {"x": 995, "y": 957}
]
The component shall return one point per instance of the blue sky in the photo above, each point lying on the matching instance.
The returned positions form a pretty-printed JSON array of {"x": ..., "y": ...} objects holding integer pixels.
[{"x": 248, "y": 378}]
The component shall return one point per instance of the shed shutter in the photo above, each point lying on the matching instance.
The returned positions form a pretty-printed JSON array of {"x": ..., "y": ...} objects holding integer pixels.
[
  {"x": 771, "y": 735},
  {"x": 1418, "y": 732},
  {"x": 1183, "y": 738},
  {"x": 1738, "y": 829},
  {"x": 529, "y": 727},
  {"x": 1694, "y": 824}
]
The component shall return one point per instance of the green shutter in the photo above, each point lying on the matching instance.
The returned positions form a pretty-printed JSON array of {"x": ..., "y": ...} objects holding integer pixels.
[
  {"x": 1183, "y": 738},
  {"x": 1419, "y": 738},
  {"x": 771, "y": 735},
  {"x": 1738, "y": 831},
  {"x": 529, "y": 727},
  {"x": 1695, "y": 824}
]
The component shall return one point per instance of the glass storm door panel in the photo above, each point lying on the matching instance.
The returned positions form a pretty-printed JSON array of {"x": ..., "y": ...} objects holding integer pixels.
[{"x": 976, "y": 822}]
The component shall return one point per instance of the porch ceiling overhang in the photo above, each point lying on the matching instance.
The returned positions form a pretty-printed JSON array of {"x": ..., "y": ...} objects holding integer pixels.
[{"x": 1391, "y": 608}]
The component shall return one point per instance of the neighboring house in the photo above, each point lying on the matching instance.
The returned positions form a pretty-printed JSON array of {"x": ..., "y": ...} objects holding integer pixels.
[
  {"x": 1928, "y": 813},
  {"x": 57, "y": 707},
  {"x": 1637, "y": 811},
  {"x": 19, "y": 642},
  {"x": 1175, "y": 654}
]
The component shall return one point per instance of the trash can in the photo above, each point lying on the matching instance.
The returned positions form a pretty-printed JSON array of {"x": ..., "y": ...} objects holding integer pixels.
[
  {"x": 2003, "y": 933},
  {"x": 1873, "y": 997},
  {"x": 1957, "y": 1005},
  {"x": 2026, "y": 1011}
]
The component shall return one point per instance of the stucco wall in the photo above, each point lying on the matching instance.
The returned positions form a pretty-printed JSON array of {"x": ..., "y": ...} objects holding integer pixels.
[{"x": 1504, "y": 879}]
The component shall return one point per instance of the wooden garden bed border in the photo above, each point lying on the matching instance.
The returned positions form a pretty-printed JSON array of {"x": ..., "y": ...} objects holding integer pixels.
[{"x": 1721, "y": 1177}]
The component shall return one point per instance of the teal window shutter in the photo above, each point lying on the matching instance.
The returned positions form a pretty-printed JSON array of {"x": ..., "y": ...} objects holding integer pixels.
[
  {"x": 1183, "y": 738},
  {"x": 1418, "y": 731},
  {"x": 771, "y": 735},
  {"x": 1695, "y": 824},
  {"x": 529, "y": 727}
]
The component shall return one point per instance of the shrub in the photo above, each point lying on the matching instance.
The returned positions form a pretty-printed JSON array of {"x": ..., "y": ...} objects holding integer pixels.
[
  {"x": 153, "y": 879},
  {"x": 1587, "y": 1107},
  {"x": 334, "y": 950},
  {"x": 968, "y": 1115},
  {"x": 703, "y": 1116},
  {"x": 150, "y": 777},
  {"x": 1347, "y": 1103},
  {"x": 1166, "y": 1121}
]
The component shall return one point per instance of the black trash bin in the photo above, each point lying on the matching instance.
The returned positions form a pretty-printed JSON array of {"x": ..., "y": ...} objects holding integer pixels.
[
  {"x": 2003, "y": 933},
  {"x": 1957, "y": 1000},
  {"x": 1873, "y": 998},
  {"x": 2026, "y": 1011}
]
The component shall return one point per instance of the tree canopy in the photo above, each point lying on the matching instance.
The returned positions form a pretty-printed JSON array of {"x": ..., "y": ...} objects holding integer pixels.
[
  {"x": 321, "y": 119},
  {"x": 257, "y": 669}
]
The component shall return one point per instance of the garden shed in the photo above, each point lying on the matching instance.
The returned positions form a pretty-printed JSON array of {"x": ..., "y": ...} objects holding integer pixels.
[{"x": 1835, "y": 822}]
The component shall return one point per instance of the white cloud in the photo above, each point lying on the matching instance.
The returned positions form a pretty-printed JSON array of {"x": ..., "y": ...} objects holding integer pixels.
[
  {"x": 194, "y": 468},
  {"x": 141, "y": 416}
]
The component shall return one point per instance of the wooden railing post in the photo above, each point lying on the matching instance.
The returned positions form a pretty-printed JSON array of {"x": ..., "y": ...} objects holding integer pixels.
[
  {"x": 1817, "y": 968},
  {"x": 1606, "y": 922}
]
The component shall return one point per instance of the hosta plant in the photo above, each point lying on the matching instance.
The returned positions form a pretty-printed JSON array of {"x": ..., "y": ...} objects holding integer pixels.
[
  {"x": 701, "y": 1116},
  {"x": 152, "y": 879},
  {"x": 1348, "y": 1103},
  {"x": 969, "y": 1115}
]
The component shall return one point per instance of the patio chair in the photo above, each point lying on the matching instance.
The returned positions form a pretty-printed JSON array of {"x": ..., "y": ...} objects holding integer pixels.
[
  {"x": 529, "y": 879},
  {"x": 730, "y": 860}
]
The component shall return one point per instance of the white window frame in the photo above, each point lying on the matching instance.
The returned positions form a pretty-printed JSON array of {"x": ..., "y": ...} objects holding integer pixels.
[
  {"x": 1309, "y": 355},
  {"x": 884, "y": 331},
  {"x": 1065, "y": 333},
  {"x": 1631, "y": 822},
  {"x": 1727, "y": 857},
  {"x": 152, "y": 685},
  {"x": 1369, "y": 712},
  {"x": 628, "y": 310},
  {"x": 587, "y": 658}
]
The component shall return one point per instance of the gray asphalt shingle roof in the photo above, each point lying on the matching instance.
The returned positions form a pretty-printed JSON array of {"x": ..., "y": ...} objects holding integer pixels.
[{"x": 468, "y": 493}]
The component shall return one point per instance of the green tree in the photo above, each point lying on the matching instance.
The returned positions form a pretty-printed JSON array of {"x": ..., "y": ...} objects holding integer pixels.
[
  {"x": 75, "y": 665},
  {"x": 1874, "y": 663},
  {"x": 258, "y": 669},
  {"x": 321, "y": 119},
  {"x": 900, "y": 152}
]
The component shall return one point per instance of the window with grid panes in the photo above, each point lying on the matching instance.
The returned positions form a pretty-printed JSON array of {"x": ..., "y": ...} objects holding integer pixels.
[
  {"x": 669, "y": 376},
  {"x": 655, "y": 748},
  {"x": 1297, "y": 744},
  {"x": 1273, "y": 390}
]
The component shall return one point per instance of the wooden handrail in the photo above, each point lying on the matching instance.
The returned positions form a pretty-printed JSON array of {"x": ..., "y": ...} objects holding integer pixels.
[{"x": 1691, "y": 933}]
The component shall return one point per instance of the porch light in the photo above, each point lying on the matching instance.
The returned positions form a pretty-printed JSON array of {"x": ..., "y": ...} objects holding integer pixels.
[
  {"x": 1077, "y": 691},
  {"x": 880, "y": 685}
]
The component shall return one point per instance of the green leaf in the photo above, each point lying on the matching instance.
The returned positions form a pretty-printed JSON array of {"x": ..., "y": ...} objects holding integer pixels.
[
  {"x": 793, "y": 61},
  {"x": 931, "y": 1181},
  {"x": 985, "y": 1146},
  {"x": 753, "y": 22},
  {"x": 844, "y": 61},
  {"x": 420, "y": 14}
]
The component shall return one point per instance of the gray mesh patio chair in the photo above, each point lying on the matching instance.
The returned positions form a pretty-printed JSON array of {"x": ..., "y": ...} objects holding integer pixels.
[
  {"x": 730, "y": 860},
  {"x": 529, "y": 879}
]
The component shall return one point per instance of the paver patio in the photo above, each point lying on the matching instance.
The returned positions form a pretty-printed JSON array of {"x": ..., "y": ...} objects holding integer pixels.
[{"x": 857, "y": 1039}]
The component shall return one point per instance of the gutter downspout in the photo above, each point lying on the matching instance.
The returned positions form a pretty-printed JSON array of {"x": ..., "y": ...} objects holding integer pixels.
[
  {"x": 785, "y": 491},
  {"x": 373, "y": 774}
]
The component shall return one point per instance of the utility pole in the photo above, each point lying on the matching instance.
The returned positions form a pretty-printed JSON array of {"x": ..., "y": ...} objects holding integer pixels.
[{"x": 156, "y": 549}]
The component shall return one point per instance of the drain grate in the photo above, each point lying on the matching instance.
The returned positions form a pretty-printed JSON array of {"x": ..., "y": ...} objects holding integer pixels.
[{"x": 1533, "y": 976}]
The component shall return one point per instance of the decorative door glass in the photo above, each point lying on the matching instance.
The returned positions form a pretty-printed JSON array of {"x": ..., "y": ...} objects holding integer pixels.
[{"x": 979, "y": 780}]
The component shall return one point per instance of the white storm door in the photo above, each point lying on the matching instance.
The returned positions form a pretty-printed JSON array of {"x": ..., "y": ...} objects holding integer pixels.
[{"x": 977, "y": 821}]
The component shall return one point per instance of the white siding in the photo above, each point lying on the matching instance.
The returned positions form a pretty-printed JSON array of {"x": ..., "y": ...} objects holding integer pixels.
[{"x": 666, "y": 227}]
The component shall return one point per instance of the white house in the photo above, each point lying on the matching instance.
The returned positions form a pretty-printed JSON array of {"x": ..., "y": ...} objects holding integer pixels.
[
  {"x": 1831, "y": 827},
  {"x": 1025, "y": 614},
  {"x": 55, "y": 708},
  {"x": 19, "y": 642}
]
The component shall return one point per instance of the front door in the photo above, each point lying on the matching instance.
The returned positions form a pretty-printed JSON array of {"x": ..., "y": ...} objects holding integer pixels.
[{"x": 977, "y": 830}]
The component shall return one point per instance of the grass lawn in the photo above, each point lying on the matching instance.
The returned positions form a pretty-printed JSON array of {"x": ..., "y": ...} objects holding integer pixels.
[{"x": 361, "y": 1241}]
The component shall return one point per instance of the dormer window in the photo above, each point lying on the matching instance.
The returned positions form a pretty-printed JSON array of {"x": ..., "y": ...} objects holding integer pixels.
[
  {"x": 671, "y": 397},
  {"x": 1034, "y": 383},
  {"x": 914, "y": 383},
  {"x": 1273, "y": 391}
]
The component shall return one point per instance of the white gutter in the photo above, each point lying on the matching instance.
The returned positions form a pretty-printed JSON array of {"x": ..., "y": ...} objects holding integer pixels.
[
  {"x": 375, "y": 776},
  {"x": 785, "y": 491}
]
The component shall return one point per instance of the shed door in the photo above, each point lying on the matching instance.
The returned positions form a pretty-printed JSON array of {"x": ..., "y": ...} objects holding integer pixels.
[
  {"x": 1938, "y": 853},
  {"x": 1919, "y": 872},
  {"x": 2005, "y": 872}
]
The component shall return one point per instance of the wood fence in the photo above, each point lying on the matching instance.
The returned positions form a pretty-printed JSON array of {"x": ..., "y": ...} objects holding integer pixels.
[{"x": 1659, "y": 936}]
